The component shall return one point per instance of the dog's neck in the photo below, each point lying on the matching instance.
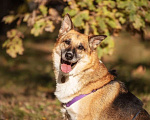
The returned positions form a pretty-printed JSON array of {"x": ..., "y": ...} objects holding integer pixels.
[{"x": 98, "y": 76}]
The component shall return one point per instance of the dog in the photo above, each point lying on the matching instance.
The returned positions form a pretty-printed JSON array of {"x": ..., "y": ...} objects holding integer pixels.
[{"x": 84, "y": 85}]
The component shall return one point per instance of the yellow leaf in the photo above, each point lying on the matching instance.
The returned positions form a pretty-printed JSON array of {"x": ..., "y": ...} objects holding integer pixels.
[{"x": 8, "y": 19}]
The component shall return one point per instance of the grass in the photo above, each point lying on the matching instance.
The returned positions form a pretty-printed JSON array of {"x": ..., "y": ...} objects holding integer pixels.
[{"x": 27, "y": 82}]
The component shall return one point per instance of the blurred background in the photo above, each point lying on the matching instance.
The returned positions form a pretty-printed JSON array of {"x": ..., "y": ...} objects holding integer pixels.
[{"x": 29, "y": 29}]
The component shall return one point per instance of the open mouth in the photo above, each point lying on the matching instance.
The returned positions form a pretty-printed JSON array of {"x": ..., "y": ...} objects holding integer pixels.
[{"x": 66, "y": 66}]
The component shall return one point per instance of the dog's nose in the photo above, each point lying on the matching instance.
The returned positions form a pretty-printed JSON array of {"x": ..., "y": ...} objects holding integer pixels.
[{"x": 69, "y": 56}]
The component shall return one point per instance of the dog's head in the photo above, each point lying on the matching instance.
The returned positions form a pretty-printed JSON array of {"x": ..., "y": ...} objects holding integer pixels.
[{"x": 74, "y": 46}]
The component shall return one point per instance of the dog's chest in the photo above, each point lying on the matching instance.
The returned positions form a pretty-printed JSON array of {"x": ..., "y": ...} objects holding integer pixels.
[
  {"x": 63, "y": 90},
  {"x": 73, "y": 110}
]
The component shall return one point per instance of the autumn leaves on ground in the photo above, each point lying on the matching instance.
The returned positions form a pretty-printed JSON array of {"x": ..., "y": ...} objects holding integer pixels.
[{"x": 27, "y": 82}]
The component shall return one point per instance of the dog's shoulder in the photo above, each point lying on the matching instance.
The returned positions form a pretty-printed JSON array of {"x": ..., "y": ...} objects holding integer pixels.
[
  {"x": 126, "y": 99},
  {"x": 127, "y": 105},
  {"x": 120, "y": 103}
]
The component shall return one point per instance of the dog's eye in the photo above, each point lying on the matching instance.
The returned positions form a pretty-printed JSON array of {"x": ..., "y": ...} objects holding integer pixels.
[
  {"x": 80, "y": 47},
  {"x": 67, "y": 42}
]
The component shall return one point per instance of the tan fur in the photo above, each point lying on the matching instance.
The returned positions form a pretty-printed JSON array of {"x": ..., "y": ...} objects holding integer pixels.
[{"x": 111, "y": 101}]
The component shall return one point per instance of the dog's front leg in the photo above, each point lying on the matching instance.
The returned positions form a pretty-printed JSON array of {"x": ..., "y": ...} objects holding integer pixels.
[{"x": 65, "y": 114}]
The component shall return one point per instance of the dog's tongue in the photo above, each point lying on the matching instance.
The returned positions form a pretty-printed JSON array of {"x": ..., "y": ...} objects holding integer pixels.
[{"x": 65, "y": 68}]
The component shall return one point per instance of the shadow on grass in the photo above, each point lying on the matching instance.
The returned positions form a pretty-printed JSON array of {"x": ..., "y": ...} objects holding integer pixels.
[{"x": 32, "y": 69}]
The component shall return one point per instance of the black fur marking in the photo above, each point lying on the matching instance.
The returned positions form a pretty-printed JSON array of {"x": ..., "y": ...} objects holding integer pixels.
[{"x": 63, "y": 79}]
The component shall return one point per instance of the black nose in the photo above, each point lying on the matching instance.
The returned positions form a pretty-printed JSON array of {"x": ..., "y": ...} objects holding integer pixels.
[{"x": 69, "y": 56}]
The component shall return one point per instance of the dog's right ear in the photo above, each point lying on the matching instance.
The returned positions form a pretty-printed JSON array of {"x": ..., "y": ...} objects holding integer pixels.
[
  {"x": 95, "y": 40},
  {"x": 66, "y": 25}
]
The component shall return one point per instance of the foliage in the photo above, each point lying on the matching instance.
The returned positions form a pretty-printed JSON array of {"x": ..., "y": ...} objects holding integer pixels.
[
  {"x": 40, "y": 19},
  {"x": 108, "y": 17},
  {"x": 92, "y": 16},
  {"x": 14, "y": 43}
]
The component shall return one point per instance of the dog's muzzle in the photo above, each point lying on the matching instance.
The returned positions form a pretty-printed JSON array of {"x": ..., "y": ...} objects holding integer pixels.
[{"x": 68, "y": 61}]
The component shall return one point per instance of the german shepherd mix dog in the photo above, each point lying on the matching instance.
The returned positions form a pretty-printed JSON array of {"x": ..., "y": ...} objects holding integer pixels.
[{"x": 84, "y": 85}]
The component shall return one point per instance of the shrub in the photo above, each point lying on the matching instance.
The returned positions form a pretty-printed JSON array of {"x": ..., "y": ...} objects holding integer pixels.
[{"x": 107, "y": 17}]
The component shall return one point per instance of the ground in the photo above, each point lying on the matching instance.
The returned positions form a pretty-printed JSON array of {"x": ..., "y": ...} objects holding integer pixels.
[{"x": 27, "y": 82}]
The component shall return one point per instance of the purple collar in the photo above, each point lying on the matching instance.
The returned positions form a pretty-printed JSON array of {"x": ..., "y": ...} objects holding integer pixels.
[{"x": 78, "y": 98}]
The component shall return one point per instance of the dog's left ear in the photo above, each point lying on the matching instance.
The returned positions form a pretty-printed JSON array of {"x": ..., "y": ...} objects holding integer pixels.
[
  {"x": 95, "y": 40},
  {"x": 66, "y": 25}
]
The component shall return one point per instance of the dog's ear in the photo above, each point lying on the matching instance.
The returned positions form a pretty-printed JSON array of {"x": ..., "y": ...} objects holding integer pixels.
[
  {"x": 66, "y": 25},
  {"x": 95, "y": 40}
]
